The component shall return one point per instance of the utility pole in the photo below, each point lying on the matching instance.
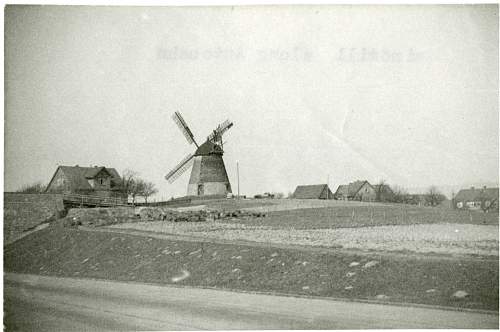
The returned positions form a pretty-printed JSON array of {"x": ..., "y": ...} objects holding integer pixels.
[{"x": 238, "y": 176}]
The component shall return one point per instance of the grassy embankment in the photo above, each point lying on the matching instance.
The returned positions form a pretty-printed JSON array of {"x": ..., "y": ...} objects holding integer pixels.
[{"x": 69, "y": 252}]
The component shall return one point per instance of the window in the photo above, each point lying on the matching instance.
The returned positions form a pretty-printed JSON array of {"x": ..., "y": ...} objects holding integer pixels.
[{"x": 101, "y": 181}]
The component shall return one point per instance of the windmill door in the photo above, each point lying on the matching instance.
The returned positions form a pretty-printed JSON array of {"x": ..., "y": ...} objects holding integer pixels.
[{"x": 200, "y": 189}]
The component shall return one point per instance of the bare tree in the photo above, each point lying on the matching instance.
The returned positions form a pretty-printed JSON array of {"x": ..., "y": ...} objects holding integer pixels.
[
  {"x": 135, "y": 188},
  {"x": 380, "y": 190},
  {"x": 148, "y": 189},
  {"x": 131, "y": 184},
  {"x": 128, "y": 179},
  {"x": 34, "y": 188},
  {"x": 433, "y": 196},
  {"x": 400, "y": 194}
]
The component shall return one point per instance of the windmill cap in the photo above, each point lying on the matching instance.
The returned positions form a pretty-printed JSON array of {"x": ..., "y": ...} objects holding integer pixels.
[{"x": 208, "y": 148}]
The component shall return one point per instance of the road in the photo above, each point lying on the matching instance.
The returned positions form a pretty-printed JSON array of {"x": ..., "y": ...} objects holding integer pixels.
[{"x": 40, "y": 303}]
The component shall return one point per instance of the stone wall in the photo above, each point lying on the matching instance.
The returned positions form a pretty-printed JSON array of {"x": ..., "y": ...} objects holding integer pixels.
[
  {"x": 94, "y": 217},
  {"x": 22, "y": 212},
  {"x": 97, "y": 217}
]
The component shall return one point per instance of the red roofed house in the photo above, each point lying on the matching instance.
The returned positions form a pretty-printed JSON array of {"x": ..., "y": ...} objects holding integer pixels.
[{"x": 94, "y": 181}]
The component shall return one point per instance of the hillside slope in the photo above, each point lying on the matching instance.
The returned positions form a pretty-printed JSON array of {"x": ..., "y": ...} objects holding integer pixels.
[{"x": 59, "y": 251}]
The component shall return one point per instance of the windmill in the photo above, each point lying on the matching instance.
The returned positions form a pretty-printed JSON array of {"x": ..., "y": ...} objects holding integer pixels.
[{"x": 208, "y": 175}]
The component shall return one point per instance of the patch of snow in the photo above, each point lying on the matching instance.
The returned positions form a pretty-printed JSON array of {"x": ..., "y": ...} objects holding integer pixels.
[
  {"x": 381, "y": 297},
  {"x": 460, "y": 294},
  {"x": 184, "y": 275},
  {"x": 370, "y": 264}
]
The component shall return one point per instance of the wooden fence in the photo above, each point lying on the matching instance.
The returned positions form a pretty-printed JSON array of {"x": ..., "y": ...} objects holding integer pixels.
[{"x": 88, "y": 200}]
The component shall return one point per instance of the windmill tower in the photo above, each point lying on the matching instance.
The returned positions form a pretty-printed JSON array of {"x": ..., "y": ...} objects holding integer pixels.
[{"x": 208, "y": 175}]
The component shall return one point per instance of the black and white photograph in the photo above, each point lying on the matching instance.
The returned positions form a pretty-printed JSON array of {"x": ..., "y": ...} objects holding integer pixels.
[{"x": 250, "y": 166}]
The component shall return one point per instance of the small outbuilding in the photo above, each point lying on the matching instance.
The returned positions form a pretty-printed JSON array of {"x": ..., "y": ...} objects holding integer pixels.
[{"x": 315, "y": 191}]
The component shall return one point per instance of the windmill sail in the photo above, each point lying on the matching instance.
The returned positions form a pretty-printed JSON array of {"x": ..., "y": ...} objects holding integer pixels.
[
  {"x": 179, "y": 121},
  {"x": 181, "y": 167},
  {"x": 221, "y": 129}
]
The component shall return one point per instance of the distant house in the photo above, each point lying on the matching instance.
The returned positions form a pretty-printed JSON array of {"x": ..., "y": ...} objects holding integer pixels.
[
  {"x": 383, "y": 193},
  {"x": 475, "y": 199},
  {"x": 98, "y": 181},
  {"x": 316, "y": 191},
  {"x": 356, "y": 191}
]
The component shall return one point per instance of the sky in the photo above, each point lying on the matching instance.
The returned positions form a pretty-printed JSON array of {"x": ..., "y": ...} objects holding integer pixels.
[{"x": 407, "y": 94}]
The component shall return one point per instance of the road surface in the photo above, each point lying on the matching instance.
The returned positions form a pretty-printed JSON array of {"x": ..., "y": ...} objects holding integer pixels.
[{"x": 39, "y": 303}]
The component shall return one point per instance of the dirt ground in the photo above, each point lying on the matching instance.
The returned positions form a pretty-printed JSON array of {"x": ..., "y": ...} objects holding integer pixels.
[
  {"x": 348, "y": 225},
  {"x": 389, "y": 259},
  {"x": 434, "y": 238},
  {"x": 63, "y": 251}
]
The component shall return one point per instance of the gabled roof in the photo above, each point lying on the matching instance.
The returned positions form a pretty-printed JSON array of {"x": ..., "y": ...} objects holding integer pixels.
[
  {"x": 351, "y": 189},
  {"x": 78, "y": 177},
  {"x": 355, "y": 186},
  {"x": 94, "y": 171},
  {"x": 343, "y": 189},
  {"x": 472, "y": 194},
  {"x": 311, "y": 191}
]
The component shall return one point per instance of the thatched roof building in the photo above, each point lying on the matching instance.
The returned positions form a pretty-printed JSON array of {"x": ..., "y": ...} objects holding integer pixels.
[{"x": 316, "y": 191}]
